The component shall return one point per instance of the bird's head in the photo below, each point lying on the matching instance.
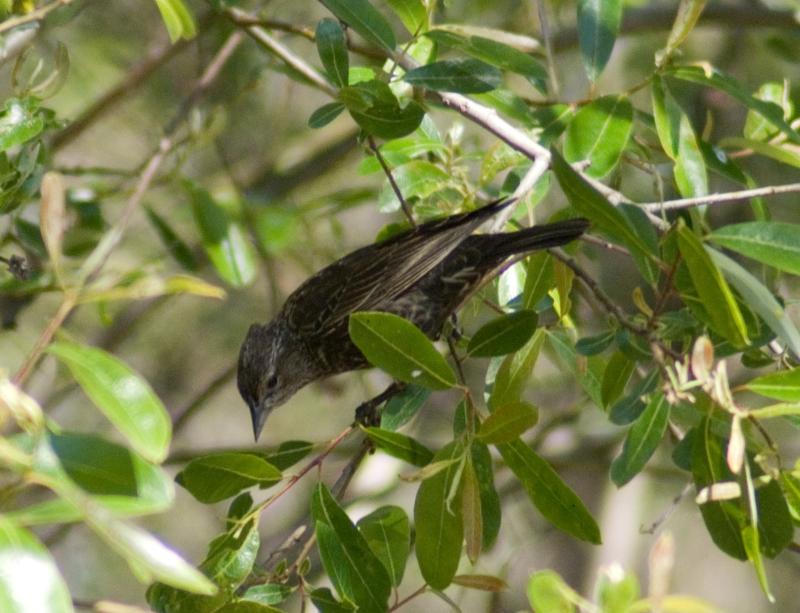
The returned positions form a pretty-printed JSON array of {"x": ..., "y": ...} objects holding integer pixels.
[{"x": 271, "y": 369}]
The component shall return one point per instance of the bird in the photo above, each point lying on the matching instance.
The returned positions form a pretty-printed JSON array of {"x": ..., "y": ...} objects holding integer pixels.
[{"x": 423, "y": 274}]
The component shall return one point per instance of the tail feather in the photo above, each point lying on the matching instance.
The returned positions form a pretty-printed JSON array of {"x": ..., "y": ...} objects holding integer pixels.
[{"x": 531, "y": 239}]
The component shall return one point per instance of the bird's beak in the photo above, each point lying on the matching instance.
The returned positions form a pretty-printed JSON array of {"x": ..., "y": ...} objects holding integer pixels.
[{"x": 259, "y": 416}]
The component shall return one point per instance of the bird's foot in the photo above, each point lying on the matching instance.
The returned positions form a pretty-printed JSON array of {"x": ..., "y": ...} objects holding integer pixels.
[
  {"x": 455, "y": 333},
  {"x": 367, "y": 413}
]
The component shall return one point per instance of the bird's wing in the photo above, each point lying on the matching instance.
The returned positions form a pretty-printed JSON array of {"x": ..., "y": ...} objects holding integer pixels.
[{"x": 363, "y": 279}]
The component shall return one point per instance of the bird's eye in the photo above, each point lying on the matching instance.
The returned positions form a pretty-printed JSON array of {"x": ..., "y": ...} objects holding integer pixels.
[{"x": 272, "y": 381}]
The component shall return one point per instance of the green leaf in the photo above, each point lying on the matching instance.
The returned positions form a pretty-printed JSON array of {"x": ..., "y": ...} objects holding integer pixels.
[
  {"x": 507, "y": 422},
  {"x": 588, "y": 202},
  {"x": 414, "y": 179},
  {"x": 29, "y": 578},
  {"x": 773, "y": 243},
  {"x": 642, "y": 440},
  {"x": 554, "y": 499},
  {"x": 218, "y": 476},
  {"x": 781, "y": 385},
  {"x": 20, "y": 122},
  {"x": 491, "y": 513},
  {"x": 325, "y": 114},
  {"x": 714, "y": 78},
  {"x": 439, "y": 521},
  {"x": 471, "y": 514},
  {"x": 617, "y": 592},
  {"x": 176, "y": 246},
  {"x": 388, "y": 534},
  {"x": 753, "y": 549},
  {"x": 412, "y": 13},
  {"x": 464, "y": 76},
  {"x": 364, "y": 19},
  {"x": 759, "y": 299},
  {"x": 268, "y": 593},
  {"x": 592, "y": 345},
  {"x": 712, "y": 289},
  {"x": 755, "y": 126},
  {"x": 615, "y": 377},
  {"x": 398, "y": 347},
  {"x": 503, "y": 335},
  {"x": 332, "y": 49},
  {"x": 289, "y": 453},
  {"x": 375, "y": 109},
  {"x": 588, "y": 371},
  {"x": 785, "y": 153},
  {"x": 122, "y": 395},
  {"x": 231, "y": 555},
  {"x": 688, "y": 13},
  {"x": 401, "y": 408},
  {"x": 667, "y": 115},
  {"x": 177, "y": 18},
  {"x": 326, "y": 602},
  {"x": 225, "y": 242},
  {"x": 549, "y": 593},
  {"x": 775, "y": 526},
  {"x": 538, "y": 279},
  {"x": 501, "y": 55},
  {"x": 514, "y": 371},
  {"x": 152, "y": 287},
  {"x": 598, "y": 26},
  {"x": 346, "y": 555},
  {"x": 724, "y": 519},
  {"x": 599, "y": 133},
  {"x": 690, "y": 167},
  {"x": 400, "y": 446},
  {"x": 121, "y": 479},
  {"x": 628, "y": 409}
]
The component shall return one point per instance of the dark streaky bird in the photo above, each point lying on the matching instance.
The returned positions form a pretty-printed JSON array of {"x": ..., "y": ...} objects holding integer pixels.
[{"x": 424, "y": 275}]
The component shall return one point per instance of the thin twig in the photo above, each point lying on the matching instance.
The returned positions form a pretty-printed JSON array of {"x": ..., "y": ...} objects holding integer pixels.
[
  {"x": 35, "y": 15},
  {"x": 544, "y": 26},
  {"x": 685, "y": 203},
  {"x": 395, "y": 187},
  {"x": 286, "y": 55}
]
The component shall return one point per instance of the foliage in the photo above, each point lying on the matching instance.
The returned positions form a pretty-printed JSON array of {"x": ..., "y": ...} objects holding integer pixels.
[{"x": 702, "y": 361}]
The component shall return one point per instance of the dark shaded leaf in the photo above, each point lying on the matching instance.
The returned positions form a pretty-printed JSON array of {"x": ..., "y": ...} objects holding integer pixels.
[
  {"x": 503, "y": 335},
  {"x": 598, "y": 26},
  {"x": 332, "y": 49},
  {"x": 554, "y": 499},
  {"x": 325, "y": 114},
  {"x": 642, "y": 440},
  {"x": 355, "y": 571},
  {"x": 438, "y": 520},
  {"x": 375, "y": 109},
  {"x": 219, "y": 476},
  {"x": 463, "y": 76},
  {"x": 712, "y": 289},
  {"x": 364, "y": 19},
  {"x": 400, "y": 446},
  {"x": 401, "y": 408},
  {"x": 507, "y": 422},
  {"x": 388, "y": 534}
]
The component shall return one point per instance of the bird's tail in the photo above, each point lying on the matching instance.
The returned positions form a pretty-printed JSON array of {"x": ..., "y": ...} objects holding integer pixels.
[{"x": 538, "y": 237}]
